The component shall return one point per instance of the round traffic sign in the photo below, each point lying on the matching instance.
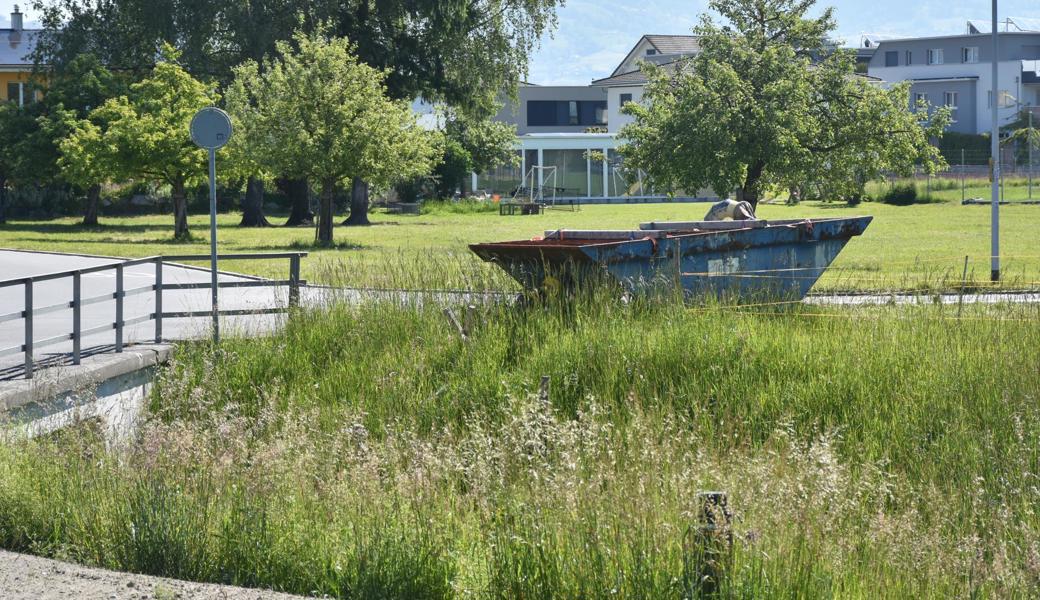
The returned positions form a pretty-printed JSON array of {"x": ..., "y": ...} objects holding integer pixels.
[{"x": 211, "y": 128}]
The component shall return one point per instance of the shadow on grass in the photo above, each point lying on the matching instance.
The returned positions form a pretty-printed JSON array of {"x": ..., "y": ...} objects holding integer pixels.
[
  {"x": 167, "y": 241},
  {"x": 69, "y": 228}
]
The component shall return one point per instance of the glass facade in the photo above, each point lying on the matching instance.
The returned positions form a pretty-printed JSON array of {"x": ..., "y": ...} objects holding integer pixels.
[
  {"x": 502, "y": 180},
  {"x": 596, "y": 176},
  {"x": 572, "y": 177},
  {"x": 620, "y": 181}
]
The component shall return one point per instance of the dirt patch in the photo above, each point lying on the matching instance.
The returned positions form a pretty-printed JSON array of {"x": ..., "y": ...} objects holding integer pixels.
[{"x": 25, "y": 577}]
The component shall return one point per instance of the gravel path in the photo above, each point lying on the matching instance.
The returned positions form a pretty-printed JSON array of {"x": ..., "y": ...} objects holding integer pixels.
[{"x": 25, "y": 577}]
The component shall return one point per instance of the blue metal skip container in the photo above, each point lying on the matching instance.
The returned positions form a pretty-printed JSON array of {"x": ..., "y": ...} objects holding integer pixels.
[{"x": 742, "y": 259}]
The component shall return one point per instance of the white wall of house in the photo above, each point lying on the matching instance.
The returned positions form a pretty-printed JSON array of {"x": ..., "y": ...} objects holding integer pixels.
[{"x": 615, "y": 119}]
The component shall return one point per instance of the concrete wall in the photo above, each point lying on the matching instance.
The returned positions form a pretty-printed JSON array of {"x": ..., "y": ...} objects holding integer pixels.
[{"x": 517, "y": 114}]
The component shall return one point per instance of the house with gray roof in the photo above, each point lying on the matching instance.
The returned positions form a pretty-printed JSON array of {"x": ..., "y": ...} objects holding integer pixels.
[
  {"x": 16, "y": 46},
  {"x": 956, "y": 71}
]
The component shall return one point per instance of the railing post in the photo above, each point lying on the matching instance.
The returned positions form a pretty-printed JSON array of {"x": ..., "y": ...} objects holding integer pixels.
[
  {"x": 28, "y": 347},
  {"x": 158, "y": 299},
  {"x": 76, "y": 316},
  {"x": 294, "y": 281},
  {"x": 119, "y": 308}
]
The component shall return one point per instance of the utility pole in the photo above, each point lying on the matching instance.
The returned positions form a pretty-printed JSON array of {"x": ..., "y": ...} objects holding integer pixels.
[
  {"x": 995, "y": 160},
  {"x": 1029, "y": 139}
]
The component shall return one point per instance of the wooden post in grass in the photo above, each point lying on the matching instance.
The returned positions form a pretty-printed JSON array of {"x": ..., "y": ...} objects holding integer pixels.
[
  {"x": 712, "y": 545},
  {"x": 543, "y": 390}
]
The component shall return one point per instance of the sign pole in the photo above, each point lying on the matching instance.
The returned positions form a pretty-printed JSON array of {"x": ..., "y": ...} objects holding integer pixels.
[
  {"x": 213, "y": 240},
  {"x": 210, "y": 130}
]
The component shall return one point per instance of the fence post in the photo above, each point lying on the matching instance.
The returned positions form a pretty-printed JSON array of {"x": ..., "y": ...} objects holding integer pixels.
[
  {"x": 119, "y": 308},
  {"x": 294, "y": 281},
  {"x": 712, "y": 545},
  {"x": 28, "y": 347},
  {"x": 158, "y": 299},
  {"x": 76, "y": 316},
  {"x": 962, "y": 175}
]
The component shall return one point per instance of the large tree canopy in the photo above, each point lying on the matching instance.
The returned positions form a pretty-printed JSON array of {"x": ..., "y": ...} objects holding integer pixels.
[
  {"x": 144, "y": 136},
  {"x": 461, "y": 52},
  {"x": 315, "y": 111},
  {"x": 754, "y": 108}
]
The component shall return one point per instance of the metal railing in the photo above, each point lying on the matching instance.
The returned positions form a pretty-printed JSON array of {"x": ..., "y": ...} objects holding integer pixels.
[{"x": 77, "y": 302}]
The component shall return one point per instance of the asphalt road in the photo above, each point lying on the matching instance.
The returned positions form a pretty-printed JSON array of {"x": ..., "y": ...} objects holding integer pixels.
[{"x": 15, "y": 264}]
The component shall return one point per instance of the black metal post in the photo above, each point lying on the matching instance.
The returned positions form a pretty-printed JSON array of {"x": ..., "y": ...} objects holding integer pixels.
[
  {"x": 158, "y": 299},
  {"x": 119, "y": 308},
  {"x": 77, "y": 305},
  {"x": 28, "y": 347}
]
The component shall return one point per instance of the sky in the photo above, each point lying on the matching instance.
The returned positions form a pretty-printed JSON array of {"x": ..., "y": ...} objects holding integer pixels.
[{"x": 593, "y": 36}]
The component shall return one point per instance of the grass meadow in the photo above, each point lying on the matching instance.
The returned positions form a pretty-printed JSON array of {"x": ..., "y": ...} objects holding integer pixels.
[
  {"x": 373, "y": 452},
  {"x": 921, "y": 246}
]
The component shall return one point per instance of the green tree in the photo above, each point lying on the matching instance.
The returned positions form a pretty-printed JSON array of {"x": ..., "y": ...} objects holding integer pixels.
[
  {"x": 145, "y": 136},
  {"x": 15, "y": 122},
  {"x": 753, "y": 109},
  {"x": 316, "y": 111},
  {"x": 464, "y": 53},
  {"x": 71, "y": 95},
  {"x": 472, "y": 145}
]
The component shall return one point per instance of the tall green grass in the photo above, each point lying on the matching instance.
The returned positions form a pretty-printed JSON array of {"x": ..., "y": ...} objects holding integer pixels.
[{"x": 373, "y": 452}]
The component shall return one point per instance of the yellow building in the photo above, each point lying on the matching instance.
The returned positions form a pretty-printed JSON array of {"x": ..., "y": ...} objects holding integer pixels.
[{"x": 16, "y": 44}]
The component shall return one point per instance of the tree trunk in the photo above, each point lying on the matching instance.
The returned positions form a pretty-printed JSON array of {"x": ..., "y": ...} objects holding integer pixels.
[
  {"x": 358, "y": 203},
  {"x": 180, "y": 211},
  {"x": 750, "y": 192},
  {"x": 90, "y": 211},
  {"x": 253, "y": 205},
  {"x": 299, "y": 198},
  {"x": 328, "y": 193}
]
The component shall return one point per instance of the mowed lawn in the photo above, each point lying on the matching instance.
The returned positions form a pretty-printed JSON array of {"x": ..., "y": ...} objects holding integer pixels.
[{"x": 918, "y": 246}]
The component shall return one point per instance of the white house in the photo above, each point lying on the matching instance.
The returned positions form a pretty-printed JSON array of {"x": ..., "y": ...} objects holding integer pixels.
[{"x": 562, "y": 131}]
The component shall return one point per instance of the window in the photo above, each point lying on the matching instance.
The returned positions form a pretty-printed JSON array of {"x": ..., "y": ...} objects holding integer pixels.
[
  {"x": 920, "y": 97},
  {"x": 1004, "y": 99},
  {"x": 950, "y": 100},
  {"x": 566, "y": 113},
  {"x": 908, "y": 58},
  {"x": 20, "y": 93},
  {"x": 935, "y": 56},
  {"x": 651, "y": 52},
  {"x": 970, "y": 54},
  {"x": 892, "y": 59},
  {"x": 625, "y": 99}
]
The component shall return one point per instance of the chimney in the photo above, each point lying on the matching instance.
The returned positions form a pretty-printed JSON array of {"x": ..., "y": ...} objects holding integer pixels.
[{"x": 16, "y": 19}]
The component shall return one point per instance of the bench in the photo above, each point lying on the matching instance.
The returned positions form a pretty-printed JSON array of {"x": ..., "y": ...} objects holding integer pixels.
[{"x": 510, "y": 207}]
